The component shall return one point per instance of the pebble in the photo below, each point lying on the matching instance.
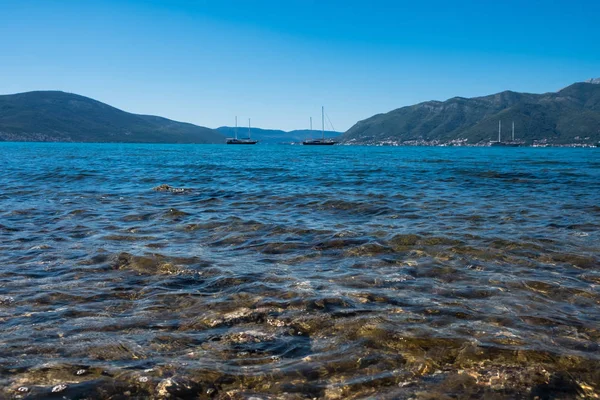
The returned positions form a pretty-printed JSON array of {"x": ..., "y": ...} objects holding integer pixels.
[{"x": 59, "y": 388}]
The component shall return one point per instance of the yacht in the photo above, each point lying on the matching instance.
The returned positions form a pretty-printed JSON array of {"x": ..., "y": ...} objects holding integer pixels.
[
  {"x": 323, "y": 141},
  {"x": 500, "y": 143},
  {"x": 247, "y": 140}
]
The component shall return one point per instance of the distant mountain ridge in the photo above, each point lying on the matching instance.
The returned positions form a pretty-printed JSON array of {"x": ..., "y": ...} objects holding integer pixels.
[
  {"x": 54, "y": 116},
  {"x": 571, "y": 115},
  {"x": 274, "y": 136}
]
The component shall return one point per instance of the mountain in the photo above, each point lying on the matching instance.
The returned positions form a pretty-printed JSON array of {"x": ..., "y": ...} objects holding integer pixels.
[
  {"x": 53, "y": 116},
  {"x": 271, "y": 136},
  {"x": 571, "y": 115}
]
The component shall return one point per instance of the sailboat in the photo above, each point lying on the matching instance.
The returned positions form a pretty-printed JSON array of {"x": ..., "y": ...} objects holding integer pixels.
[
  {"x": 247, "y": 140},
  {"x": 505, "y": 144},
  {"x": 319, "y": 142}
]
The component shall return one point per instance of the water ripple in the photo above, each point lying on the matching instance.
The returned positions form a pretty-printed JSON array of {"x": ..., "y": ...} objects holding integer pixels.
[{"x": 292, "y": 272}]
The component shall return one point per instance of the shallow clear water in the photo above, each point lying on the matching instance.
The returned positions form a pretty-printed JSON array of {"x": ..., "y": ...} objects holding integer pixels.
[{"x": 334, "y": 272}]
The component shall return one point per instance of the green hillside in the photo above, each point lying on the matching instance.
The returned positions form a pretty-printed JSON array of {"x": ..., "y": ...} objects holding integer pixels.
[
  {"x": 571, "y": 115},
  {"x": 53, "y": 116}
]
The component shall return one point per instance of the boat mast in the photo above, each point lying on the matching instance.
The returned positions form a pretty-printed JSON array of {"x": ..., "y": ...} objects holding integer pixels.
[
  {"x": 323, "y": 120},
  {"x": 236, "y": 127},
  {"x": 248, "y": 128},
  {"x": 499, "y": 131},
  {"x": 513, "y": 132},
  {"x": 311, "y": 127}
]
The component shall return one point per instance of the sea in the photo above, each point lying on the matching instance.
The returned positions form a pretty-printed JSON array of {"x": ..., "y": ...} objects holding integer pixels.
[{"x": 290, "y": 272}]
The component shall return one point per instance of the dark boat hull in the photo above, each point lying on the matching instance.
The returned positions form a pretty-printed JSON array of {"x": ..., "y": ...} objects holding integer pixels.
[
  {"x": 241, "y": 141},
  {"x": 318, "y": 143}
]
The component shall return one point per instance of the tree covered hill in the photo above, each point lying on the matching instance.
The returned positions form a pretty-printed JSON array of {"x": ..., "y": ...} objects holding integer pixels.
[
  {"x": 54, "y": 116},
  {"x": 571, "y": 115}
]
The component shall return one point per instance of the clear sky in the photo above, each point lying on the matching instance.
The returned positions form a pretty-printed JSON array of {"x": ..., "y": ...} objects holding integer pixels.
[{"x": 278, "y": 61}]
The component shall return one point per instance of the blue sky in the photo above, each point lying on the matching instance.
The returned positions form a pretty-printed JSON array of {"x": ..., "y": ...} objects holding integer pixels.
[{"x": 278, "y": 61}]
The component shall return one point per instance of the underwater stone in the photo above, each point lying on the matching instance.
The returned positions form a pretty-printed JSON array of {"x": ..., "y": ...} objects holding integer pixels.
[
  {"x": 405, "y": 240},
  {"x": 167, "y": 188},
  {"x": 177, "y": 388},
  {"x": 175, "y": 213}
]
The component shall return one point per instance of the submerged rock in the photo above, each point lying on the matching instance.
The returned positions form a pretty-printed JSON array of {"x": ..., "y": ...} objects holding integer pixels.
[
  {"x": 176, "y": 387},
  {"x": 404, "y": 240},
  {"x": 175, "y": 213},
  {"x": 6, "y": 300},
  {"x": 250, "y": 336},
  {"x": 168, "y": 188},
  {"x": 156, "y": 264}
]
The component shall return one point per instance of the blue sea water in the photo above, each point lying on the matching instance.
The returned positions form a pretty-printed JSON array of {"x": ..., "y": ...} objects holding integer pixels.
[{"x": 320, "y": 272}]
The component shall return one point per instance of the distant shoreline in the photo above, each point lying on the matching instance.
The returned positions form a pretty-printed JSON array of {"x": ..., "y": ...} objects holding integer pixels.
[{"x": 568, "y": 145}]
